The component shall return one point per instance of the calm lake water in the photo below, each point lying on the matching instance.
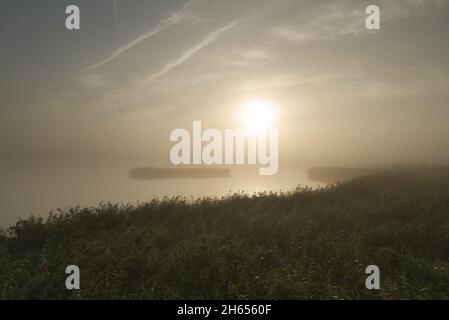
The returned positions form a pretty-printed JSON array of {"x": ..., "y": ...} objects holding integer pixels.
[{"x": 39, "y": 186}]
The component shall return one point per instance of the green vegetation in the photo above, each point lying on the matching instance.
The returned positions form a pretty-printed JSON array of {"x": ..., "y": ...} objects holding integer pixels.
[{"x": 300, "y": 245}]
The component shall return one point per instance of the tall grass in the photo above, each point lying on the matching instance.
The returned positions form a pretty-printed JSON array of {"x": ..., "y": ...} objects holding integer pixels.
[{"x": 305, "y": 244}]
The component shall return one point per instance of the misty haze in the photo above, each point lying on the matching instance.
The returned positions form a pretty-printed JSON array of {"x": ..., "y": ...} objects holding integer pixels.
[{"x": 117, "y": 153}]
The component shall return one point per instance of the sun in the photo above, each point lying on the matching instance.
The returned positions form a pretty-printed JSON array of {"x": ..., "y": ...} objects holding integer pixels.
[{"x": 257, "y": 116}]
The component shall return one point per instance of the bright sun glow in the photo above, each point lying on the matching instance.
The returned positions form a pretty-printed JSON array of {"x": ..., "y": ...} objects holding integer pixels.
[{"x": 257, "y": 116}]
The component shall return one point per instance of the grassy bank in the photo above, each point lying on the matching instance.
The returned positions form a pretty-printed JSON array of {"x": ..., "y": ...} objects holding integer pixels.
[{"x": 303, "y": 244}]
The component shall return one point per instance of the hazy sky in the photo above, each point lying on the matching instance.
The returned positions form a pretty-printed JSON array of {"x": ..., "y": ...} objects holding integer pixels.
[{"x": 138, "y": 69}]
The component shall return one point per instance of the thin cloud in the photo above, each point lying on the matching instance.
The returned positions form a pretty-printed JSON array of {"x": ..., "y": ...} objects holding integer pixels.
[
  {"x": 115, "y": 11},
  {"x": 333, "y": 22},
  {"x": 92, "y": 81},
  {"x": 162, "y": 25},
  {"x": 211, "y": 37}
]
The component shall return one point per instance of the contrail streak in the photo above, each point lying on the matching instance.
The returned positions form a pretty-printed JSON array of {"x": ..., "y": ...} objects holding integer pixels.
[
  {"x": 115, "y": 11},
  {"x": 162, "y": 25},
  {"x": 114, "y": 3},
  {"x": 211, "y": 37}
]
